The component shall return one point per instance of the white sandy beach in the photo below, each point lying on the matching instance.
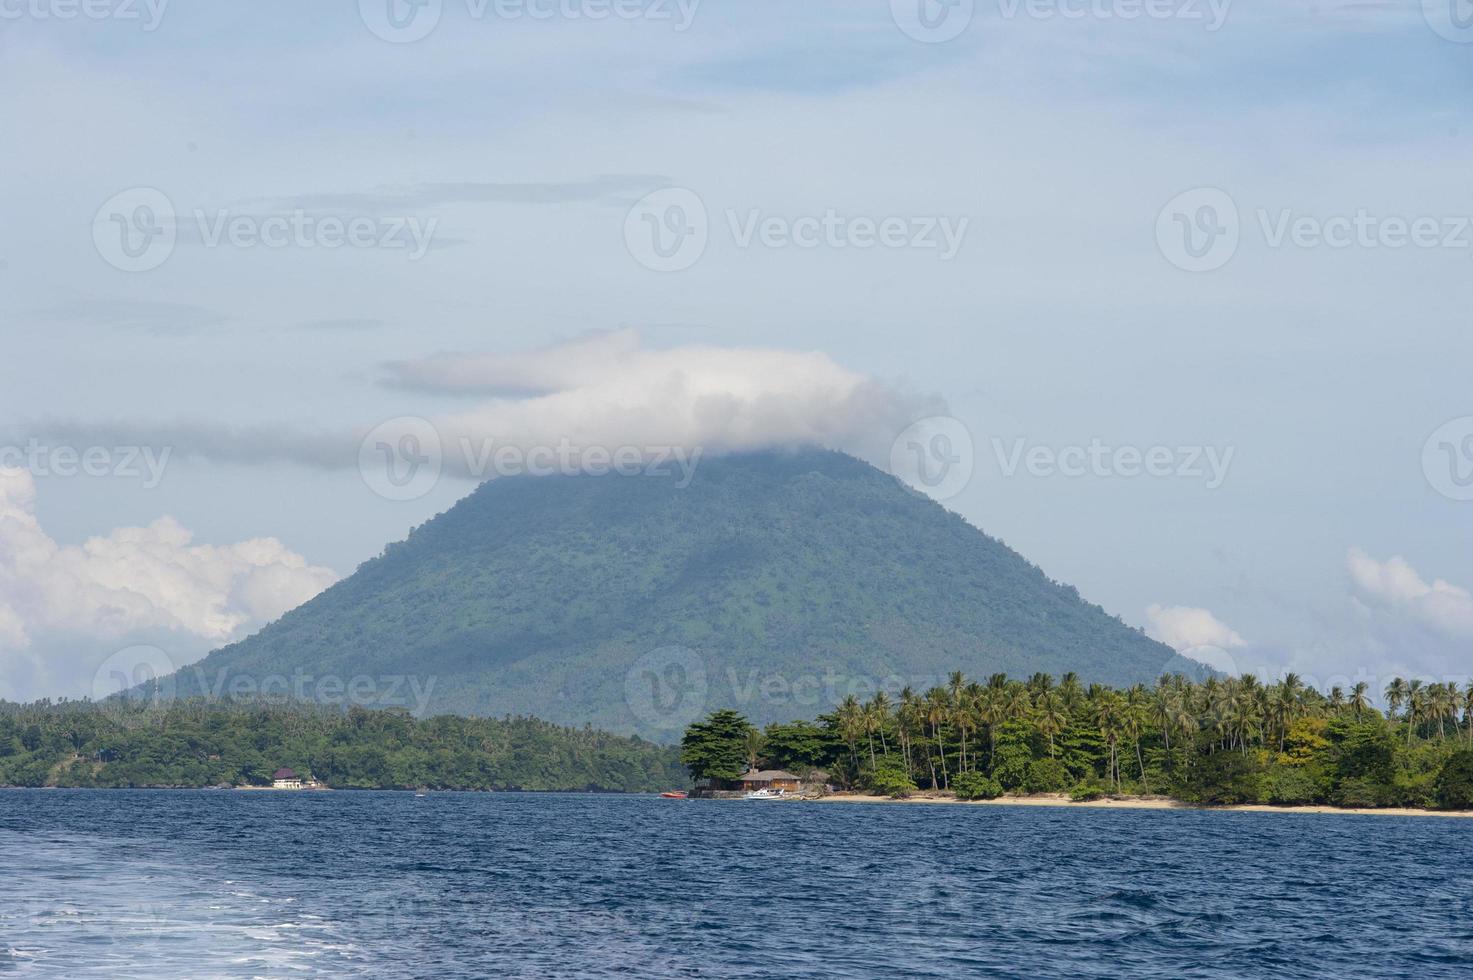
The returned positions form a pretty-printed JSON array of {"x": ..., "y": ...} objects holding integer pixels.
[{"x": 1136, "y": 803}]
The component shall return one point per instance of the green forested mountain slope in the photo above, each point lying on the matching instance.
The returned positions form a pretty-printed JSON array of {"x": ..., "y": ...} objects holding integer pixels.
[{"x": 774, "y": 582}]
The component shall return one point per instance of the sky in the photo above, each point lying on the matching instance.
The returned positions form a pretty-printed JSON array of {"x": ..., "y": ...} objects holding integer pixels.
[{"x": 1172, "y": 296}]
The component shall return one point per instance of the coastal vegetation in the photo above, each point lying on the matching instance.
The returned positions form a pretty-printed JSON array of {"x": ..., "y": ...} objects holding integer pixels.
[
  {"x": 1222, "y": 741},
  {"x": 198, "y": 744}
]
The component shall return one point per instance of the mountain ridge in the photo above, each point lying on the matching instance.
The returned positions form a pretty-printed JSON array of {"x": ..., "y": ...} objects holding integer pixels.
[{"x": 776, "y": 582}]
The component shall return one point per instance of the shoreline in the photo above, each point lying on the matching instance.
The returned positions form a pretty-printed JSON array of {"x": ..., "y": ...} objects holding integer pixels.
[{"x": 1142, "y": 803}]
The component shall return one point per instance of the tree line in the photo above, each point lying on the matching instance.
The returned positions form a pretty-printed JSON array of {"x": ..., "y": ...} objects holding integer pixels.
[
  {"x": 1223, "y": 740},
  {"x": 193, "y": 743}
]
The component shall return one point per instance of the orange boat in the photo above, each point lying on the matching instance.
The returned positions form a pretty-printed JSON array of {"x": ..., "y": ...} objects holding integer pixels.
[{"x": 674, "y": 795}]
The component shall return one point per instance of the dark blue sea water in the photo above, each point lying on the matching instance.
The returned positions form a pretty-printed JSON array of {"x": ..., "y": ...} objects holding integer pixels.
[{"x": 219, "y": 884}]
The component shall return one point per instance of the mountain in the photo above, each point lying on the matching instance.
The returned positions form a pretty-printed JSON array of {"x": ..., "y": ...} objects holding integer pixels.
[{"x": 774, "y": 582}]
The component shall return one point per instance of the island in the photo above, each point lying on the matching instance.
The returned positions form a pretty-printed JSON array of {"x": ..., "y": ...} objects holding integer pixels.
[
  {"x": 1226, "y": 741},
  {"x": 288, "y": 745}
]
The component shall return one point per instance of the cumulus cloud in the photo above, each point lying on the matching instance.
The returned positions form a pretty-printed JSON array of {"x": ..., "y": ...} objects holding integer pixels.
[
  {"x": 62, "y": 607},
  {"x": 1395, "y": 587},
  {"x": 609, "y": 390},
  {"x": 604, "y": 390},
  {"x": 1196, "y": 634},
  {"x": 1184, "y": 628}
]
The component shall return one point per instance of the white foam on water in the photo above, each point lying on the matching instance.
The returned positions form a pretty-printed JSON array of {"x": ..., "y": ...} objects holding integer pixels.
[{"x": 87, "y": 907}]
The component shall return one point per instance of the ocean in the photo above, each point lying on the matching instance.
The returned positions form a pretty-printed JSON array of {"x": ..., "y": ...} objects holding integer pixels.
[{"x": 162, "y": 884}]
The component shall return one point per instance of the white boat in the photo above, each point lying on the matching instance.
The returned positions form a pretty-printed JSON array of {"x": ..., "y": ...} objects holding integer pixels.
[{"x": 764, "y": 794}]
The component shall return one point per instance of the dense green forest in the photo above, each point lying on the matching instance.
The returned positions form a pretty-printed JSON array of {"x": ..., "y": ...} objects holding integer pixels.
[
  {"x": 549, "y": 596},
  {"x": 1223, "y": 741},
  {"x": 193, "y": 744}
]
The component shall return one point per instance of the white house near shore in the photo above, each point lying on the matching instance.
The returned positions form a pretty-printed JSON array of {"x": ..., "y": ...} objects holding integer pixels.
[{"x": 286, "y": 779}]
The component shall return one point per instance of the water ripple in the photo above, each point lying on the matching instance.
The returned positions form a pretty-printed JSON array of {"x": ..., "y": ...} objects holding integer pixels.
[{"x": 166, "y": 884}]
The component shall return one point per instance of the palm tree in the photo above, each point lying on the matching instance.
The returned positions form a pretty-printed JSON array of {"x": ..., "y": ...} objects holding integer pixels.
[
  {"x": 1468, "y": 710},
  {"x": 754, "y": 747},
  {"x": 1133, "y": 720},
  {"x": 1107, "y": 711},
  {"x": 1396, "y": 696},
  {"x": 1360, "y": 702},
  {"x": 1161, "y": 713},
  {"x": 956, "y": 684},
  {"x": 1416, "y": 699},
  {"x": 871, "y": 720},
  {"x": 851, "y": 723},
  {"x": 1293, "y": 687},
  {"x": 972, "y": 698},
  {"x": 991, "y": 709},
  {"x": 1069, "y": 690},
  {"x": 1019, "y": 702},
  {"x": 1220, "y": 716},
  {"x": 880, "y": 706},
  {"x": 1276, "y": 713},
  {"x": 1052, "y": 717},
  {"x": 936, "y": 712},
  {"x": 1444, "y": 702},
  {"x": 1184, "y": 721},
  {"x": 908, "y": 723}
]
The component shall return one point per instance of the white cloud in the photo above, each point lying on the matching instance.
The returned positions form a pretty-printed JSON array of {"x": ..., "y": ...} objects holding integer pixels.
[
  {"x": 1394, "y": 586},
  {"x": 604, "y": 390},
  {"x": 1185, "y": 628},
  {"x": 62, "y": 606},
  {"x": 609, "y": 390},
  {"x": 1197, "y": 634}
]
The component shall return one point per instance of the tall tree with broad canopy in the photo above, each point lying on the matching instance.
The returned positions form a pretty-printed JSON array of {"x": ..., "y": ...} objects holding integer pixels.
[{"x": 717, "y": 747}]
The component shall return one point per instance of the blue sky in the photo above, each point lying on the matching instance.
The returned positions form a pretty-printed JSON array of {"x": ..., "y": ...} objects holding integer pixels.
[{"x": 1061, "y": 321}]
